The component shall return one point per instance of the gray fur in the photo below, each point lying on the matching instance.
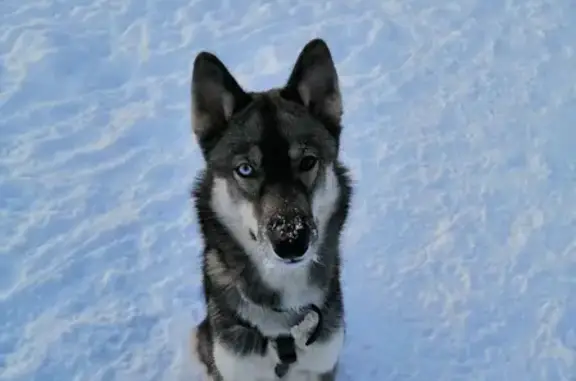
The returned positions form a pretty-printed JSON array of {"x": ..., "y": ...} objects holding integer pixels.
[{"x": 231, "y": 126}]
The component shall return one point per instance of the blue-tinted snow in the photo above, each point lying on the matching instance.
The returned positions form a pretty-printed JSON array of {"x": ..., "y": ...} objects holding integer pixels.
[{"x": 460, "y": 127}]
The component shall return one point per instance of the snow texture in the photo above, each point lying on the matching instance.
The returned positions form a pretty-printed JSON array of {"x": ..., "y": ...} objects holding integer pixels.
[{"x": 460, "y": 127}]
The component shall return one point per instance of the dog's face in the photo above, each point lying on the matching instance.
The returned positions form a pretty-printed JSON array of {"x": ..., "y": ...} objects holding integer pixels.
[{"x": 271, "y": 154}]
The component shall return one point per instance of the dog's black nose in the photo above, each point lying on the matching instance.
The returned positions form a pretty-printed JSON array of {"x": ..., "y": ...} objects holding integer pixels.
[{"x": 289, "y": 235}]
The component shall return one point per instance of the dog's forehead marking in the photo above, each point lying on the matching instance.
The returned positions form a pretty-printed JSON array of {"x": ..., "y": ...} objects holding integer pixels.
[
  {"x": 274, "y": 146},
  {"x": 271, "y": 119}
]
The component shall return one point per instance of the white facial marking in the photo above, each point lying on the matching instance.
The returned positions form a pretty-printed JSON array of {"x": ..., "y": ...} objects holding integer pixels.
[
  {"x": 238, "y": 216},
  {"x": 324, "y": 200}
]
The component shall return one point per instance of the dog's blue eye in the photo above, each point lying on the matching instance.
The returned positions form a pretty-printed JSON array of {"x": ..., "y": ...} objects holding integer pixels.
[
  {"x": 307, "y": 163},
  {"x": 244, "y": 170}
]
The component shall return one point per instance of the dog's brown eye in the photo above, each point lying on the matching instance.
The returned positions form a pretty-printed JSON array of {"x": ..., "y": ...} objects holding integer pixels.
[{"x": 307, "y": 163}]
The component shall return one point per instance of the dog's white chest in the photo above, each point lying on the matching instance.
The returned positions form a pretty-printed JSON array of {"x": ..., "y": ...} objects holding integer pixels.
[
  {"x": 293, "y": 284},
  {"x": 313, "y": 361}
]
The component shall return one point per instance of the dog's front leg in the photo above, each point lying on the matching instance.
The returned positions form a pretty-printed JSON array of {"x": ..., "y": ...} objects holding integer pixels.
[{"x": 243, "y": 354}]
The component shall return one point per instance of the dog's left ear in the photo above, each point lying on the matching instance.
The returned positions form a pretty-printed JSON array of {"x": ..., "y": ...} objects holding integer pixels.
[
  {"x": 314, "y": 82},
  {"x": 216, "y": 96}
]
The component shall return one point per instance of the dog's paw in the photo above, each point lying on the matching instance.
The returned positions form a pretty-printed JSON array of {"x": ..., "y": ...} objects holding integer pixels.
[{"x": 303, "y": 330}]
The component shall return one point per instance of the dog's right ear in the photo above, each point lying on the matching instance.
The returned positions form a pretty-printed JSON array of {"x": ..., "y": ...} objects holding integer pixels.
[
  {"x": 314, "y": 82},
  {"x": 216, "y": 96}
]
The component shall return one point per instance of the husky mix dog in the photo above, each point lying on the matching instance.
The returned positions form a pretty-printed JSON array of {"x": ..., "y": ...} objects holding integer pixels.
[{"x": 271, "y": 205}]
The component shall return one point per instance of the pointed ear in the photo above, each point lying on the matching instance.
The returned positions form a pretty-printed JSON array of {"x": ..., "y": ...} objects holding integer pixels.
[
  {"x": 314, "y": 82},
  {"x": 216, "y": 96}
]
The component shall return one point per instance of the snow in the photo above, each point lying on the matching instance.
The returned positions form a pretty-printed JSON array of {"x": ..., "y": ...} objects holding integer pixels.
[{"x": 460, "y": 253}]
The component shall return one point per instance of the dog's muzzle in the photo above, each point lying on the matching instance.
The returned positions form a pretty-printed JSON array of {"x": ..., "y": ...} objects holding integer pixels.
[{"x": 290, "y": 235}]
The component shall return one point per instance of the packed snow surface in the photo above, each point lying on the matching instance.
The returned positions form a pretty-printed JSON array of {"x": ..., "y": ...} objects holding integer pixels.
[{"x": 460, "y": 129}]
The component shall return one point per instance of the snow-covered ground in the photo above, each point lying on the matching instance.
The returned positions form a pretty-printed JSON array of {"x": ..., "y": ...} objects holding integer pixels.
[{"x": 460, "y": 126}]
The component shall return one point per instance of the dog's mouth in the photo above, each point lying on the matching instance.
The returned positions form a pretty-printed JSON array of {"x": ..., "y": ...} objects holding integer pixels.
[{"x": 293, "y": 261}]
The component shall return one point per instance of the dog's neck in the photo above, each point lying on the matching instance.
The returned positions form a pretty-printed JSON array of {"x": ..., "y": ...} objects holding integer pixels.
[{"x": 294, "y": 286}]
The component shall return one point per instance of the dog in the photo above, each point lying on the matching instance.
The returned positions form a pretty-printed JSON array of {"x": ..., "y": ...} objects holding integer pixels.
[{"x": 271, "y": 205}]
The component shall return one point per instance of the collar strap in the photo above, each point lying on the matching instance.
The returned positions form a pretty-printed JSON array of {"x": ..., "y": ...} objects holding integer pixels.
[
  {"x": 286, "y": 354},
  {"x": 286, "y": 349}
]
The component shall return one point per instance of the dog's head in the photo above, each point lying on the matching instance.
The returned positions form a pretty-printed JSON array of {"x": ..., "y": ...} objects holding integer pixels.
[{"x": 271, "y": 154}]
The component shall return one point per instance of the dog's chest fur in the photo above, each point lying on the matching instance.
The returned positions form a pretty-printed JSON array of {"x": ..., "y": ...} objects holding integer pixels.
[
  {"x": 296, "y": 293},
  {"x": 318, "y": 359}
]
